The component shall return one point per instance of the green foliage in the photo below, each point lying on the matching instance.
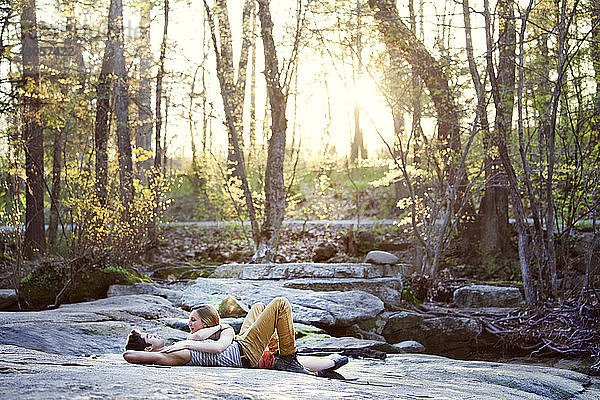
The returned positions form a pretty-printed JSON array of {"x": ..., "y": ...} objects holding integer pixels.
[
  {"x": 113, "y": 231},
  {"x": 408, "y": 295}
]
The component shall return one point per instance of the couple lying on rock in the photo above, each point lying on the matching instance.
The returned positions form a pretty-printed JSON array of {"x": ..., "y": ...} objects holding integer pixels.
[{"x": 266, "y": 340}]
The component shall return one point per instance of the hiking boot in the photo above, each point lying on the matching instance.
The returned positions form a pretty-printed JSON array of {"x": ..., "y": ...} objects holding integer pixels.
[{"x": 289, "y": 363}]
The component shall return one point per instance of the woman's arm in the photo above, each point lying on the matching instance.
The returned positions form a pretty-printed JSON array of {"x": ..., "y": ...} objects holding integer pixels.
[
  {"x": 207, "y": 346},
  {"x": 205, "y": 333}
]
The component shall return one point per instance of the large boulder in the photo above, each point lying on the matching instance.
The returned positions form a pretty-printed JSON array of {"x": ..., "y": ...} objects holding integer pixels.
[
  {"x": 324, "y": 252},
  {"x": 306, "y": 270},
  {"x": 381, "y": 257},
  {"x": 487, "y": 296},
  {"x": 389, "y": 290},
  {"x": 409, "y": 346},
  {"x": 323, "y": 309},
  {"x": 29, "y": 374},
  {"x": 95, "y": 327},
  {"x": 440, "y": 334}
]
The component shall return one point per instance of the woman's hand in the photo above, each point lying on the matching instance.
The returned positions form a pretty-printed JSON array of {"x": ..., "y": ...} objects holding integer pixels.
[
  {"x": 205, "y": 333},
  {"x": 182, "y": 345}
]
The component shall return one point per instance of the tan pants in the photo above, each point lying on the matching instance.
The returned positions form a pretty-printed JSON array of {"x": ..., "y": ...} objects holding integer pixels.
[{"x": 264, "y": 323}]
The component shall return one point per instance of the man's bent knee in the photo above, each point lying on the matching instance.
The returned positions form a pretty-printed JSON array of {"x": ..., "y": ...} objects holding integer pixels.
[
  {"x": 258, "y": 306},
  {"x": 282, "y": 302}
]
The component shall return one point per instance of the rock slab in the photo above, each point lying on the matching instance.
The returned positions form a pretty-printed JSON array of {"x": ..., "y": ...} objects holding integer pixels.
[
  {"x": 322, "y": 309},
  {"x": 29, "y": 374},
  {"x": 487, "y": 296},
  {"x": 95, "y": 327},
  {"x": 389, "y": 290},
  {"x": 306, "y": 270}
]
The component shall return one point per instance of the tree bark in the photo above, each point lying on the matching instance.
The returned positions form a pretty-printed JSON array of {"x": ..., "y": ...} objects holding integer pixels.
[
  {"x": 158, "y": 157},
  {"x": 234, "y": 89},
  {"x": 103, "y": 93},
  {"x": 33, "y": 138},
  {"x": 493, "y": 210},
  {"x": 143, "y": 134},
  {"x": 595, "y": 45},
  {"x": 357, "y": 150},
  {"x": 225, "y": 75},
  {"x": 531, "y": 293},
  {"x": 252, "y": 130},
  {"x": 57, "y": 153},
  {"x": 274, "y": 186},
  {"x": 122, "y": 112},
  {"x": 398, "y": 37}
]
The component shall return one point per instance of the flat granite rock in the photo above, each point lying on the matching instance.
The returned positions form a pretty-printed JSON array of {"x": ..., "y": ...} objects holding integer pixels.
[
  {"x": 94, "y": 327},
  {"x": 305, "y": 270},
  {"x": 29, "y": 374},
  {"x": 335, "y": 308}
]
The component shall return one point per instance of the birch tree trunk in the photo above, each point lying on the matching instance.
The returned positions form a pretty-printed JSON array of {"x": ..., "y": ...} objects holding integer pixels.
[
  {"x": 158, "y": 156},
  {"x": 33, "y": 138},
  {"x": 274, "y": 186}
]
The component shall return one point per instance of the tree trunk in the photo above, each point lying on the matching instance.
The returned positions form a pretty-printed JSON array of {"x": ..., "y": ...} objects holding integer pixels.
[
  {"x": 225, "y": 75},
  {"x": 274, "y": 186},
  {"x": 357, "y": 150},
  {"x": 398, "y": 36},
  {"x": 252, "y": 130},
  {"x": 122, "y": 112},
  {"x": 57, "y": 153},
  {"x": 158, "y": 157},
  {"x": 103, "y": 92},
  {"x": 595, "y": 45},
  {"x": 493, "y": 211},
  {"x": 234, "y": 89},
  {"x": 33, "y": 138},
  {"x": 550, "y": 129},
  {"x": 143, "y": 134}
]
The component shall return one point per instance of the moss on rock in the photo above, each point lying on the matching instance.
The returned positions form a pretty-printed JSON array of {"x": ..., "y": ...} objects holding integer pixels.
[{"x": 40, "y": 288}]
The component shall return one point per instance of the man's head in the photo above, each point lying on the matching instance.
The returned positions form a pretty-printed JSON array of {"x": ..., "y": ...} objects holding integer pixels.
[{"x": 144, "y": 341}]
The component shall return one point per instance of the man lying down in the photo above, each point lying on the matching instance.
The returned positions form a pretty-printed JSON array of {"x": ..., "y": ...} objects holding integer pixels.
[{"x": 266, "y": 340}]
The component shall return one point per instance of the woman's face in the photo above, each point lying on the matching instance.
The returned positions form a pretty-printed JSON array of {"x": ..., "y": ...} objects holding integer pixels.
[{"x": 195, "y": 323}]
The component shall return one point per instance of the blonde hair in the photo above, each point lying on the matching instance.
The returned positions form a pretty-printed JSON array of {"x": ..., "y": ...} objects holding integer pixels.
[{"x": 208, "y": 314}]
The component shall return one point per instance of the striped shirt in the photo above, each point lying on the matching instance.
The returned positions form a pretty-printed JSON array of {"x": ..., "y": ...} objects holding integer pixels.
[{"x": 230, "y": 357}]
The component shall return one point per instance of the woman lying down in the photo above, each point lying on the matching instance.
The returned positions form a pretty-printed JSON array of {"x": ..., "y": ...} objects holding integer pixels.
[{"x": 266, "y": 340}]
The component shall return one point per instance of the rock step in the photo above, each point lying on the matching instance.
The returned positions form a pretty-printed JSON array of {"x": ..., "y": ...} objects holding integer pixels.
[
  {"x": 487, "y": 296},
  {"x": 308, "y": 270},
  {"x": 389, "y": 290}
]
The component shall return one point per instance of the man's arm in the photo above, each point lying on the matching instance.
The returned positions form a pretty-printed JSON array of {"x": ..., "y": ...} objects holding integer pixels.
[
  {"x": 180, "y": 357},
  {"x": 205, "y": 333}
]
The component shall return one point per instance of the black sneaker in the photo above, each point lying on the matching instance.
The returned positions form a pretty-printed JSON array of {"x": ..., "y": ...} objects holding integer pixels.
[
  {"x": 338, "y": 360},
  {"x": 290, "y": 363},
  {"x": 331, "y": 374}
]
